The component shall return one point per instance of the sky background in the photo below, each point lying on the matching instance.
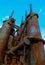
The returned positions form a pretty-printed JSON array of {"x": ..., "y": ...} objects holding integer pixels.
[{"x": 19, "y": 7}]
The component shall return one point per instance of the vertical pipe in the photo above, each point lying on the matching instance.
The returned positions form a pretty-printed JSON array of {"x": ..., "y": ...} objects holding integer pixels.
[{"x": 4, "y": 35}]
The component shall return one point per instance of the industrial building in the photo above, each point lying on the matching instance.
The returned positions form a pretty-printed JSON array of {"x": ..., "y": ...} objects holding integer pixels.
[{"x": 23, "y": 46}]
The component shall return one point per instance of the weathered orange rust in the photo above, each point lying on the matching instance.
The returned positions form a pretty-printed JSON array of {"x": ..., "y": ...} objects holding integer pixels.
[
  {"x": 4, "y": 35},
  {"x": 10, "y": 41},
  {"x": 22, "y": 45}
]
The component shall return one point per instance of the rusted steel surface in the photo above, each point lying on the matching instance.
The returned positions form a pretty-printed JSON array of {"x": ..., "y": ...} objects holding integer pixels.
[
  {"x": 4, "y": 35},
  {"x": 16, "y": 62},
  {"x": 10, "y": 42},
  {"x": 22, "y": 45}
]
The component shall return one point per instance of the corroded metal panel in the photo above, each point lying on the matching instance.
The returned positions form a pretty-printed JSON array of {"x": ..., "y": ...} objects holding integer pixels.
[
  {"x": 34, "y": 31},
  {"x": 24, "y": 48},
  {"x": 4, "y": 35}
]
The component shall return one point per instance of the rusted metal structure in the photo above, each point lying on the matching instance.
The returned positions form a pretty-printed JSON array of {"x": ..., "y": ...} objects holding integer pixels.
[{"x": 23, "y": 46}]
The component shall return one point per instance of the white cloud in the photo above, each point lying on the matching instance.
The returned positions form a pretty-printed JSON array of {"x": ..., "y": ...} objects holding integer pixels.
[
  {"x": 44, "y": 47},
  {"x": 43, "y": 33},
  {"x": 0, "y": 26},
  {"x": 6, "y": 17},
  {"x": 40, "y": 11}
]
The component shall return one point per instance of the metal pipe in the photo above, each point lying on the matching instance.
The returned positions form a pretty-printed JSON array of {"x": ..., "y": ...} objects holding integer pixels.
[{"x": 4, "y": 35}]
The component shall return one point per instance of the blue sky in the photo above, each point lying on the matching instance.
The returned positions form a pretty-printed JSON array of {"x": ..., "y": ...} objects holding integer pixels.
[{"x": 19, "y": 7}]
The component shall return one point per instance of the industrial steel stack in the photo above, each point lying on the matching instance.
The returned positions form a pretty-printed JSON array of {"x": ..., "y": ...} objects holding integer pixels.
[
  {"x": 34, "y": 31},
  {"x": 21, "y": 45}
]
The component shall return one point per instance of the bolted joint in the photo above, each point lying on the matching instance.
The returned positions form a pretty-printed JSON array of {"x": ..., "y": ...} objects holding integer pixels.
[{"x": 26, "y": 41}]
